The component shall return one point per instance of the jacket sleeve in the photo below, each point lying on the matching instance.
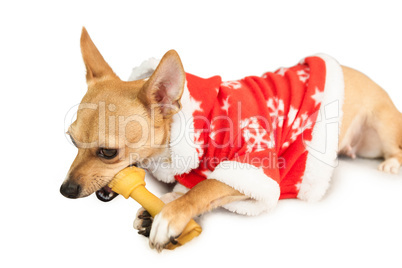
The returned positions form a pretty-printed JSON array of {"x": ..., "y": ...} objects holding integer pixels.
[{"x": 255, "y": 175}]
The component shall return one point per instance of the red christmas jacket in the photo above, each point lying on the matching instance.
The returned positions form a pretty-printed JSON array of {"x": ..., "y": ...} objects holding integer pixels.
[{"x": 265, "y": 136}]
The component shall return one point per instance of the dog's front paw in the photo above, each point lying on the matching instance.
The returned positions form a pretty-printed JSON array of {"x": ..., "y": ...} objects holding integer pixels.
[
  {"x": 143, "y": 222},
  {"x": 167, "y": 226},
  {"x": 391, "y": 165}
]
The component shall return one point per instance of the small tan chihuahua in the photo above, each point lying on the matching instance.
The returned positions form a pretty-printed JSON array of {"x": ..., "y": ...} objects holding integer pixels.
[{"x": 137, "y": 122}]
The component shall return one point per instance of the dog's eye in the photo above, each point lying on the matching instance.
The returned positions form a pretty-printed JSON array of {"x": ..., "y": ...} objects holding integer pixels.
[{"x": 107, "y": 153}]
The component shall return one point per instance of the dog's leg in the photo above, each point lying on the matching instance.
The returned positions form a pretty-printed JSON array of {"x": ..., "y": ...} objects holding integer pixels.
[
  {"x": 173, "y": 218},
  {"x": 388, "y": 126},
  {"x": 371, "y": 123}
]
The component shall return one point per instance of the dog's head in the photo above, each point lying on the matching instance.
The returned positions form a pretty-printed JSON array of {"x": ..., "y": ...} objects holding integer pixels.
[{"x": 120, "y": 123}]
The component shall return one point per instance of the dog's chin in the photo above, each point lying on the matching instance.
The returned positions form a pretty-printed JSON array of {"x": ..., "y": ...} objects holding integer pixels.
[{"x": 106, "y": 194}]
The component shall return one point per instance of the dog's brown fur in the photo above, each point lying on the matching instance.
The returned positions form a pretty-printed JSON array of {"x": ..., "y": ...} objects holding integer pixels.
[{"x": 371, "y": 127}]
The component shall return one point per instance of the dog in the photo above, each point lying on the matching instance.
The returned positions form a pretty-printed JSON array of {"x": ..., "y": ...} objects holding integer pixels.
[{"x": 157, "y": 121}]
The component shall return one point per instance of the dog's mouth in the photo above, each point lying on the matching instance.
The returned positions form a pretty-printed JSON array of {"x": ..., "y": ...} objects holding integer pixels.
[{"x": 106, "y": 194}]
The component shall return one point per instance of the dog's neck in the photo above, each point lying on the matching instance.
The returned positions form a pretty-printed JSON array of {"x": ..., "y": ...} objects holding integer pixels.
[
  {"x": 182, "y": 151},
  {"x": 179, "y": 154}
]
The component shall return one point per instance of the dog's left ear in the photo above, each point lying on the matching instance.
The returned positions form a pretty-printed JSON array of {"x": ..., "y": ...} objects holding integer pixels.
[
  {"x": 165, "y": 87},
  {"x": 97, "y": 67}
]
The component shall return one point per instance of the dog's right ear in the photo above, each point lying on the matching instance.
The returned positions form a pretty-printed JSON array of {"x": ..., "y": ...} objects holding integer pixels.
[
  {"x": 97, "y": 67},
  {"x": 165, "y": 87}
]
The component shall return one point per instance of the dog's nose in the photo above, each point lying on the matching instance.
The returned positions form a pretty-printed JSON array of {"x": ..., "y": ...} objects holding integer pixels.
[{"x": 70, "y": 189}]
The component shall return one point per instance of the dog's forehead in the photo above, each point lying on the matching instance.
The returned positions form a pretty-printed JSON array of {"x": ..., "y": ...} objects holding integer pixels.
[
  {"x": 102, "y": 90},
  {"x": 104, "y": 109},
  {"x": 111, "y": 97}
]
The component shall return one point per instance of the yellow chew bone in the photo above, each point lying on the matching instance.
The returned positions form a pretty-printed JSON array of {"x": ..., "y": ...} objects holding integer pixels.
[{"x": 130, "y": 183}]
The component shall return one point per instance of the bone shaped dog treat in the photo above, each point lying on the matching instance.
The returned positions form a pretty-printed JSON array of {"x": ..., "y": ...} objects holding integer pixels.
[{"x": 129, "y": 182}]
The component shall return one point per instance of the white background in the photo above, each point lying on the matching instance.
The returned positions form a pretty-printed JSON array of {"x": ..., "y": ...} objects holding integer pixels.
[{"x": 358, "y": 224}]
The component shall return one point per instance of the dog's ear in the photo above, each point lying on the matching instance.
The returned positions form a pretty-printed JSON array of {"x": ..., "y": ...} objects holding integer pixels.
[
  {"x": 165, "y": 87},
  {"x": 97, "y": 67}
]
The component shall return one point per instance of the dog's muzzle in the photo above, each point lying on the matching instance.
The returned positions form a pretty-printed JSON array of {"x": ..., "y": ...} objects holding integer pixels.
[{"x": 73, "y": 191}]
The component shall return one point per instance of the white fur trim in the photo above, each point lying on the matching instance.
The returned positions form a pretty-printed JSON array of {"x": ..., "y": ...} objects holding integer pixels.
[
  {"x": 160, "y": 167},
  {"x": 182, "y": 137},
  {"x": 145, "y": 70},
  {"x": 251, "y": 181},
  {"x": 323, "y": 149}
]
